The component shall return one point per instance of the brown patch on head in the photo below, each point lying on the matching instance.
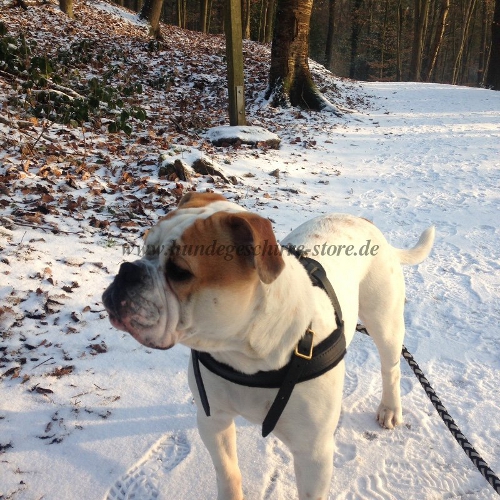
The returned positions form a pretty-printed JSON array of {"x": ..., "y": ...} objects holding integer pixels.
[
  {"x": 194, "y": 200},
  {"x": 197, "y": 200},
  {"x": 254, "y": 235},
  {"x": 224, "y": 250}
]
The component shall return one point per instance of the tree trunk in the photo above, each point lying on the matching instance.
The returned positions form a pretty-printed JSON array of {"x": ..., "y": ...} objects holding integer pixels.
[
  {"x": 262, "y": 20},
  {"x": 399, "y": 33},
  {"x": 330, "y": 36},
  {"x": 419, "y": 23},
  {"x": 204, "y": 16},
  {"x": 482, "y": 47},
  {"x": 151, "y": 11},
  {"x": 138, "y": 4},
  {"x": 493, "y": 78},
  {"x": 209, "y": 15},
  {"x": 290, "y": 80},
  {"x": 457, "y": 67},
  {"x": 181, "y": 13},
  {"x": 438, "y": 40},
  {"x": 356, "y": 25},
  {"x": 245, "y": 18},
  {"x": 268, "y": 33},
  {"x": 385, "y": 28},
  {"x": 67, "y": 7}
]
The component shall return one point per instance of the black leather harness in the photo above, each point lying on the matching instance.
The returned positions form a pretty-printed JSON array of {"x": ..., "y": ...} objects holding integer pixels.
[{"x": 307, "y": 361}]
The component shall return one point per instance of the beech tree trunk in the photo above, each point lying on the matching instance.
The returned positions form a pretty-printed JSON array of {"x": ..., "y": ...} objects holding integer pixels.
[
  {"x": 67, "y": 7},
  {"x": 493, "y": 78},
  {"x": 151, "y": 12},
  {"x": 290, "y": 81}
]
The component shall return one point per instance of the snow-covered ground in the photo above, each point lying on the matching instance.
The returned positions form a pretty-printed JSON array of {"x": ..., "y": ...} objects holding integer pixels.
[{"x": 87, "y": 413}]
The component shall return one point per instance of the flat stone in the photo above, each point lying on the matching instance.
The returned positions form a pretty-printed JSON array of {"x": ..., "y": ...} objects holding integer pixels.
[{"x": 226, "y": 135}]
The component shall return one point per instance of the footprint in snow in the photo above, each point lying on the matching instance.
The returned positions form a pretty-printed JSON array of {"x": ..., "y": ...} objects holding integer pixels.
[
  {"x": 280, "y": 462},
  {"x": 344, "y": 453},
  {"x": 141, "y": 481}
]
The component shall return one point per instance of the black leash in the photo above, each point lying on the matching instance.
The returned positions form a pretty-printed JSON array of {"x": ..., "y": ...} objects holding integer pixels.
[
  {"x": 469, "y": 450},
  {"x": 307, "y": 361}
]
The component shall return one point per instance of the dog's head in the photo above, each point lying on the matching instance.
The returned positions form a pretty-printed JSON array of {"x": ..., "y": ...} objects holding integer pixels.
[{"x": 203, "y": 273}]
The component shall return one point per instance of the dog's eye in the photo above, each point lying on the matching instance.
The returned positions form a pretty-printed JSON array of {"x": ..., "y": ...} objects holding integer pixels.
[{"x": 177, "y": 273}]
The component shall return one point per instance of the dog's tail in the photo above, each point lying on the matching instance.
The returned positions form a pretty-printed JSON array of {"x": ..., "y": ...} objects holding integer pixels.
[{"x": 420, "y": 251}]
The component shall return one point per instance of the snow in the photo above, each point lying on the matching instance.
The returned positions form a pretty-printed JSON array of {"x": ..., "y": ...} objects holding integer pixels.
[
  {"x": 119, "y": 421},
  {"x": 245, "y": 134}
]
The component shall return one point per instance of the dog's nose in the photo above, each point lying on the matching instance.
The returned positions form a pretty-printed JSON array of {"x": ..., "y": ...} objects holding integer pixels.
[{"x": 130, "y": 273}]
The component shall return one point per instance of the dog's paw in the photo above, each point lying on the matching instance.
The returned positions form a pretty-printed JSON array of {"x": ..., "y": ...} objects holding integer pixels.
[{"x": 389, "y": 417}]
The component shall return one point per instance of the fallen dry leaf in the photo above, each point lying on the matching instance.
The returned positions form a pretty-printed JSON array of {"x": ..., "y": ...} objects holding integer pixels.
[{"x": 60, "y": 372}]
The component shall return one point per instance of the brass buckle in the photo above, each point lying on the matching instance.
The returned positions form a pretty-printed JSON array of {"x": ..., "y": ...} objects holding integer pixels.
[{"x": 306, "y": 356}]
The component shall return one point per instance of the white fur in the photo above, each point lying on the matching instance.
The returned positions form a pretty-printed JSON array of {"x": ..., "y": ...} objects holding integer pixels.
[
  {"x": 371, "y": 287},
  {"x": 257, "y": 328}
]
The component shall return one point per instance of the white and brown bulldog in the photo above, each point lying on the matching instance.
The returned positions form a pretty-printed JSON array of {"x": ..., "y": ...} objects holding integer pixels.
[{"x": 215, "y": 279}]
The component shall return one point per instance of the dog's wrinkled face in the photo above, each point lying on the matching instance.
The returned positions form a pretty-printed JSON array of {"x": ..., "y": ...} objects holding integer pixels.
[{"x": 204, "y": 261}]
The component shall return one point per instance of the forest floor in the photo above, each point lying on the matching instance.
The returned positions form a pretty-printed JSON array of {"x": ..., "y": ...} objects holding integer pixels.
[{"x": 86, "y": 412}]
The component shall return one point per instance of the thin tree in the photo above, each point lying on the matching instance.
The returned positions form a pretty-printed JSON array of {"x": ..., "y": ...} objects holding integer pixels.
[
  {"x": 384, "y": 35},
  {"x": 67, "y": 7},
  {"x": 262, "y": 20},
  {"x": 266, "y": 20},
  {"x": 399, "y": 38},
  {"x": 269, "y": 24},
  {"x": 245, "y": 18},
  {"x": 493, "y": 78},
  {"x": 457, "y": 67},
  {"x": 331, "y": 34},
  {"x": 421, "y": 11},
  {"x": 356, "y": 27},
  {"x": 438, "y": 39},
  {"x": 204, "y": 16},
  {"x": 290, "y": 80},
  {"x": 483, "y": 51},
  {"x": 151, "y": 12}
]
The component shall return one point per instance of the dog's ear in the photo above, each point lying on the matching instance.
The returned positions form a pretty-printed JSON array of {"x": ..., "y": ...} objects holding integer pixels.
[
  {"x": 197, "y": 200},
  {"x": 254, "y": 238}
]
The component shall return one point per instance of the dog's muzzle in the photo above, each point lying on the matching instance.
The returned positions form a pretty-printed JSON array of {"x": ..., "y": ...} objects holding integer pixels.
[{"x": 134, "y": 303}]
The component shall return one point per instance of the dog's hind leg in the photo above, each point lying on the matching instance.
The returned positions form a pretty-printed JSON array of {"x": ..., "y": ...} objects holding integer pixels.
[
  {"x": 218, "y": 433},
  {"x": 381, "y": 311},
  {"x": 389, "y": 413}
]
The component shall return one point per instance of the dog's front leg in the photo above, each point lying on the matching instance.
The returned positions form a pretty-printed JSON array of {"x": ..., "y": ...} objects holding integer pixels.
[{"x": 218, "y": 432}]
